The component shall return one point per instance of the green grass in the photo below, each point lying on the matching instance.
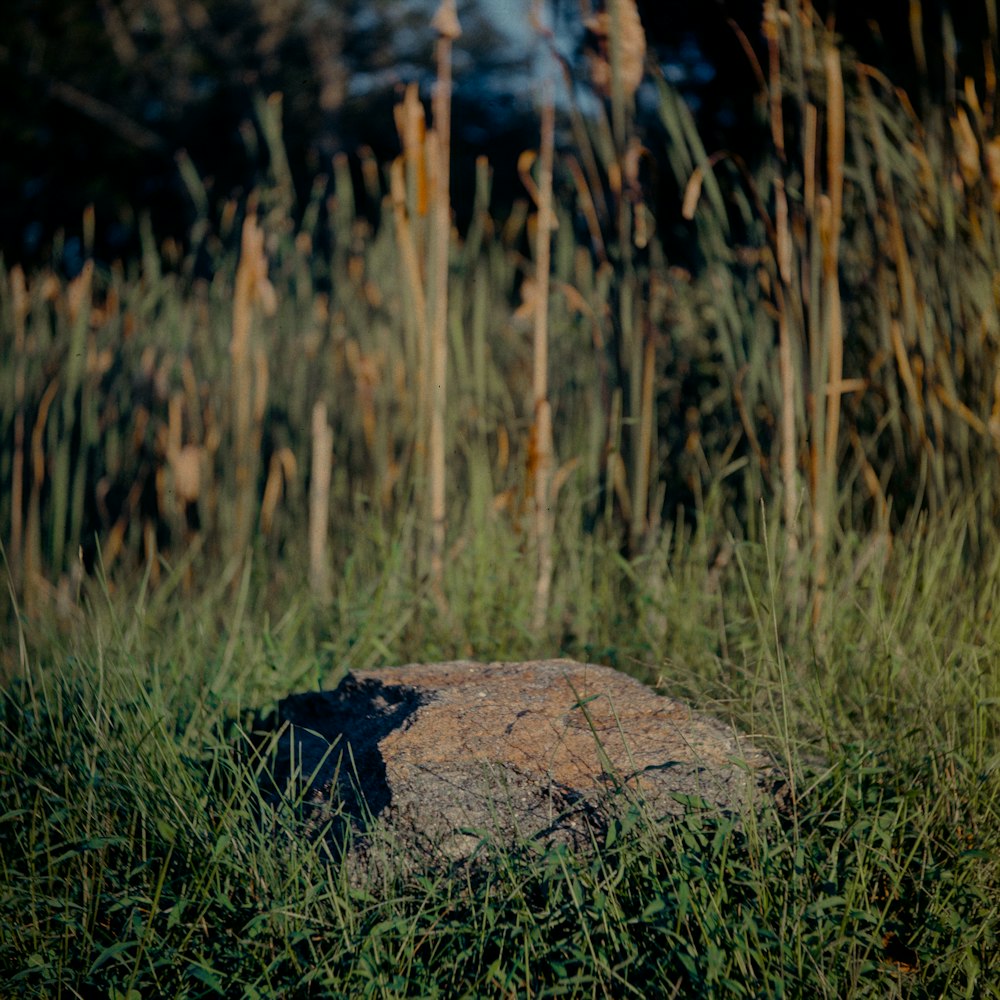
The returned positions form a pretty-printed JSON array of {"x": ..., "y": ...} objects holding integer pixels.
[{"x": 133, "y": 861}]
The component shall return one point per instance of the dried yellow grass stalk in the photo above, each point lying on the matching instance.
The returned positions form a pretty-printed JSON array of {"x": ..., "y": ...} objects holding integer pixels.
[
  {"x": 187, "y": 474},
  {"x": 319, "y": 503},
  {"x": 624, "y": 48},
  {"x": 367, "y": 372},
  {"x": 412, "y": 128},
  {"x": 416, "y": 313},
  {"x": 540, "y": 453},
  {"x": 184, "y": 462},
  {"x": 413, "y": 180},
  {"x": 79, "y": 292},
  {"x": 446, "y": 24},
  {"x": 407, "y": 246},
  {"x": 33, "y": 575},
  {"x": 280, "y": 472},
  {"x": 966, "y": 148},
  {"x": 253, "y": 293},
  {"x": 993, "y": 169},
  {"x": 619, "y": 483}
]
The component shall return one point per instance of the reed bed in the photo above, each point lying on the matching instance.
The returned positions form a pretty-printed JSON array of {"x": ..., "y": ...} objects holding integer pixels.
[{"x": 833, "y": 358}]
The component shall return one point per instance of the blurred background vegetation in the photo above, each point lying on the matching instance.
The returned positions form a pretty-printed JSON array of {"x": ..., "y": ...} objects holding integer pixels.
[
  {"x": 103, "y": 97},
  {"x": 772, "y": 284}
]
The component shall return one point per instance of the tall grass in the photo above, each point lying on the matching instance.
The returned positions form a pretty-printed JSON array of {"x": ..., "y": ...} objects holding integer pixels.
[
  {"x": 132, "y": 854},
  {"x": 860, "y": 209},
  {"x": 827, "y": 359}
]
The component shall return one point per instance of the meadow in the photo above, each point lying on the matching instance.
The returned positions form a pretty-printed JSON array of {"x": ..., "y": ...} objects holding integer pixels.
[{"x": 339, "y": 434}]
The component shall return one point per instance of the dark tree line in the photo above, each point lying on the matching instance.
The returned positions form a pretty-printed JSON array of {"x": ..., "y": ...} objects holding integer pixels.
[{"x": 100, "y": 97}]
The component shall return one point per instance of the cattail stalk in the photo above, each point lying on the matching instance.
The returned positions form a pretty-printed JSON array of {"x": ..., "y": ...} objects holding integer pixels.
[
  {"x": 446, "y": 24},
  {"x": 541, "y": 450},
  {"x": 319, "y": 503},
  {"x": 253, "y": 291}
]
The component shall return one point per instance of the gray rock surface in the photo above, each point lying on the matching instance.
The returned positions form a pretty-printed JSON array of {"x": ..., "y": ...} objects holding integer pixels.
[{"x": 434, "y": 758}]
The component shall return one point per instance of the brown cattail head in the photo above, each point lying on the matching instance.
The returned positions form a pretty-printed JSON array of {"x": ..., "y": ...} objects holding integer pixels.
[{"x": 632, "y": 48}]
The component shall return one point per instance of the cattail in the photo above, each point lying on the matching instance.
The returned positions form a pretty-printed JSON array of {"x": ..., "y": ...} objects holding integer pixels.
[
  {"x": 540, "y": 452},
  {"x": 446, "y": 23},
  {"x": 319, "y": 503},
  {"x": 628, "y": 44},
  {"x": 253, "y": 292}
]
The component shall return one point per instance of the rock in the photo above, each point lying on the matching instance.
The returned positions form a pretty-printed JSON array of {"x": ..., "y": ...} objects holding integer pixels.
[{"x": 441, "y": 756}]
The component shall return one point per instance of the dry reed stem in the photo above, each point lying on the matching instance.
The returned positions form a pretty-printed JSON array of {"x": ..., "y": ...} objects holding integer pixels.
[
  {"x": 907, "y": 326},
  {"x": 771, "y": 17},
  {"x": 280, "y": 473},
  {"x": 585, "y": 201},
  {"x": 319, "y": 503},
  {"x": 446, "y": 24},
  {"x": 620, "y": 47},
  {"x": 409, "y": 187},
  {"x": 542, "y": 428},
  {"x": 33, "y": 573},
  {"x": 900, "y": 256},
  {"x": 809, "y": 132},
  {"x": 831, "y": 249},
  {"x": 67, "y": 490},
  {"x": 150, "y": 552},
  {"x": 407, "y": 247},
  {"x": 916, "y": 22},
  {"x": 241, "y": 380},
  {"x": 412, "y": 128},
  {"x": 252, "y": 290}
]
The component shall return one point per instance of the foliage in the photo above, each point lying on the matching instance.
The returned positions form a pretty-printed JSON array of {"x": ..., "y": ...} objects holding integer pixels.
[{"x": 845, "y": 378}]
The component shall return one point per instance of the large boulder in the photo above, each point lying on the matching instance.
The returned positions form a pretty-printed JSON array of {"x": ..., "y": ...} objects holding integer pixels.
[{"x": 439, "y": 758}]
